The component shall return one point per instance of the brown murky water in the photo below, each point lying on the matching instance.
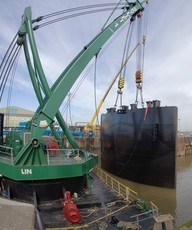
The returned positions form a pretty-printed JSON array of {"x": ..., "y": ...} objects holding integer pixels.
[{"x": 177, "y": 202}]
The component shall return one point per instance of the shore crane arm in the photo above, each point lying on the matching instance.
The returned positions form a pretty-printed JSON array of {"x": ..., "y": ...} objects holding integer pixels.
[
  {"x": 54, "y": 97},
  {"x": 90, "y": 124}
]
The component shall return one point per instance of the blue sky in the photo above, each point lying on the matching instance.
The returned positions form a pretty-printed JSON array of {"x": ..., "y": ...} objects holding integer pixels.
[{"x": 168, "y": 56}]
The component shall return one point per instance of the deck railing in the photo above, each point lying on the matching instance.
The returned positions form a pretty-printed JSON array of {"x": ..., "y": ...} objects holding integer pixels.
[
  {"x": 127, "y": 193},
  {"x": 137, "y": 219},
  {"x": 56, "y": 156},
  {"x": 122, "y": 190}
]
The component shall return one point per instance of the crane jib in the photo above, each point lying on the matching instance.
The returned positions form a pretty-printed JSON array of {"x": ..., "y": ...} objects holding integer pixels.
[
  {"x": 55, "y": 96},
  {"x": 72, "y": 72}
]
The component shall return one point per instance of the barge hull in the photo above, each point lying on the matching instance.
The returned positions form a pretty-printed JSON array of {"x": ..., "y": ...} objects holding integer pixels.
[
  {"x": 43, "y": 190},
  {"x": 140, "y": 145}
]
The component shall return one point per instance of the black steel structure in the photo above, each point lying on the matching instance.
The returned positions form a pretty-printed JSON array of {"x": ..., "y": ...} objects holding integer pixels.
[{"x": 139, "y": 144}]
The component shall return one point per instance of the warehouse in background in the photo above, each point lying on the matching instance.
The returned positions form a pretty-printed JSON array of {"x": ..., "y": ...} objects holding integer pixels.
[{"x": 13, "y": 115}]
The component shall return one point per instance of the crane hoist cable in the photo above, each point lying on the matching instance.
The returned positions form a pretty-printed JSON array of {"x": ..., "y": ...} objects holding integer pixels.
[
  {"x": 76, "y": 12},
  {"x": 90, "y": 124},
  {"x": 8, "y": 73},
  {"x": 92, "y": 65},
  {"x": 145, "y": 32},
  {"x": 11, "y": 81},
  {"x": 139, "y": 71},
  {"x": 102, "y": 51},
  {"x": 95, "y": 96},
  {"x": 121, "y": 81},
  {"x": 80, "y": 11},
  {"x": 7, "y": 68},
  {"x": 7, "y": 64},
  {"x": 112, "y": 13},
  {"x": 99, "y": 55},
  {"x": 140, "y": 55},
  {"x": 69, "y": 110}
]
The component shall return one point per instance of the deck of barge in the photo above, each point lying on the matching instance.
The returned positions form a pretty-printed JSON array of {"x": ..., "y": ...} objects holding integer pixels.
[{"x": 100, "y": 208}]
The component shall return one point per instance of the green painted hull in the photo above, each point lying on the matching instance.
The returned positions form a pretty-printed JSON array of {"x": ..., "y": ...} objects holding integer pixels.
[
  {"x": 47, "y": 172},
  {"x": 48, "y": 181}
]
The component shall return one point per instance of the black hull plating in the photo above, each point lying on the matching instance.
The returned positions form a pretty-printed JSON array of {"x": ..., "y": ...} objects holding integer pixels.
[
  {"x": 140, "y": 145},
  {"x": 45, "y": 190}
]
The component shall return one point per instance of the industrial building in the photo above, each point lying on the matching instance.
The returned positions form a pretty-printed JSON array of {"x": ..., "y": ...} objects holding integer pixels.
[{"x": 14, "y": 115}]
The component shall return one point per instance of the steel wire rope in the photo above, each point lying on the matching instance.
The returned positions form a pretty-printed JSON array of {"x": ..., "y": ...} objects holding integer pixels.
[
  {"x": 5, "y": 63},
  {"x": 76, "y": 89},
  {"x": 139, "y": 35},
  {"x": 8, "y": 51},
  {"x": 11, "y": 83},
  {"x": 92, "y": 65},
  {"x": 122, "y": 61},
  {"x": 111, "y": 14},
  {"x": 103, "y": 26},
  {"x": 11, "y": 64},
  {"x": 139, "y": 60},
  {"x": 125, "y": 51},
  {"x": 145, "y": 25},
  {"x": 144, "y": 32},
  {"x": 70, "y": 16},
  {"x": 51, "y": 15},
  {"x": 3, "y": 67},
  {"x": 8, "y": 70},
  {"x": 75, "y": 15},
  {"x": 69, "y": 109},
  {"x": 75, "y": 9},
  {"x": 95, "y": 69},
  {"x": 70, "y": 10},
  {"x": 95, "y": 96}
]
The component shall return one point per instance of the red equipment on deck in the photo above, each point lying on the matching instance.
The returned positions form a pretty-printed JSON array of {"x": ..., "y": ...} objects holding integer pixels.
[
  {"x": 70, "y": 210},
  {"x": 53, "y": 148}
]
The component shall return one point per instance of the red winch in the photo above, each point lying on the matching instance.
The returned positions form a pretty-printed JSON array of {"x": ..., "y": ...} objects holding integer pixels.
[
  {"x": 70, "y": 210},
  {"x": 53, "y": 148}
]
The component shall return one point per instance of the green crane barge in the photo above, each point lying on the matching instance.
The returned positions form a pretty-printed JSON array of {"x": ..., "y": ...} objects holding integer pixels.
[{"x": 34, "y": 168}]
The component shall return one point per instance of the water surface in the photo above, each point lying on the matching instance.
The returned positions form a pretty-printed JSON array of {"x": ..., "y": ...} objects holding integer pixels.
[{"x": 177, "y": 202}]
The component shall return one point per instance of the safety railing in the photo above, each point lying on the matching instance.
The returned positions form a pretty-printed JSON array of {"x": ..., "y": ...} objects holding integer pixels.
[
  {"x": 154, "y": 209},
  {"x": 128, "y": 194},
  {"x": 67, "y": 156},
  {"x": 137, "y": 219},
  {"x": 6, "y": 154},
  {"x": 122, "y": 190},
  {"x": 54, "y": 156}
]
